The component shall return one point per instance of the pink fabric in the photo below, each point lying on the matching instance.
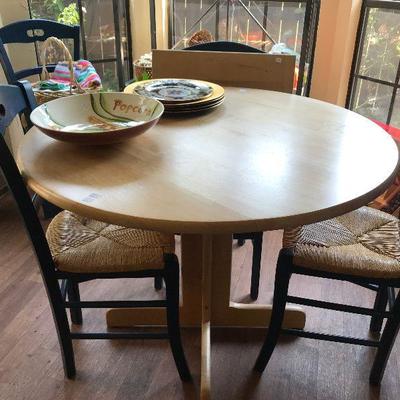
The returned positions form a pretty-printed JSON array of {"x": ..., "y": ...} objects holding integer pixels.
[{"x": 85, "y": 74}]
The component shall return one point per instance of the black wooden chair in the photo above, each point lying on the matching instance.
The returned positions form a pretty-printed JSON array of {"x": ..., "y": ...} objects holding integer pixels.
[
  {"x": 78, "y": 249},
  {"x": 255, "y": 237},
  {"x": 362, "y": 247},
  {"x": 31, "y": 31}
]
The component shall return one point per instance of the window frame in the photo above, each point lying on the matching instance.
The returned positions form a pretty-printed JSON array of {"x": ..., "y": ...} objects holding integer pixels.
[{"x": 355, "y": 75}]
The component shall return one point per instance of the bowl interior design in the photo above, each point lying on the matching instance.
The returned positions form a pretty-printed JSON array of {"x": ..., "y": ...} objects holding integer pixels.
[{"x": 98, "y": 113}]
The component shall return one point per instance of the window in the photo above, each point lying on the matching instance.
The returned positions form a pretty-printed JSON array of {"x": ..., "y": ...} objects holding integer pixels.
[
  {"x": 257, "y": 23},
  {"x": 105, "y": 31},
  {"x": 374, "y": 89}
]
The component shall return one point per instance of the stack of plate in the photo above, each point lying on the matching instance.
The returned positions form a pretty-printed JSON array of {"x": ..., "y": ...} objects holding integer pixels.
[{"x": 180, "y": 96}]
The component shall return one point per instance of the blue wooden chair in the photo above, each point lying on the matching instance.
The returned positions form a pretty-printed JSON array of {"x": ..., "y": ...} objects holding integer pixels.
[
  {"x": 31, "y": 31},
  {"x": 61, "y": 260}
]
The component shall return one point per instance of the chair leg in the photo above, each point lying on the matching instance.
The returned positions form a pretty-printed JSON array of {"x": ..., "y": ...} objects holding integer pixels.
[
  {"x": 158, "y": 283},
  {"x": 172, "y": 293},
  {"x": 282, "y": 277},
  {"x": 49, "y": 210},
  {"x": 62, "y": 327},
  {"x": 256, "y": 265},
  {"x": 381, "y": 301},
  {"x": 386, "y": 343},
  {"x": 67, "y": 350},
  {"x": 74, "y": 295},
  {"x": 391, "y": 297}
]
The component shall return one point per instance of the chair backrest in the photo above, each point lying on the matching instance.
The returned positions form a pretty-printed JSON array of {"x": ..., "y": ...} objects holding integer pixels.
[
  {"x": 252, "y": 70},
  {"x": 224, "y": 46},
  {"x": 13, "y": 101},
  {"x": 31, "y": 31}
]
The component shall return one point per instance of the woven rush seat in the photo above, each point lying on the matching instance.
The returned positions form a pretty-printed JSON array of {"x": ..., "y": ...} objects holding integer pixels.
[
  {"x": 363, "y": 243},
  {"x": 83, "y": 245}
]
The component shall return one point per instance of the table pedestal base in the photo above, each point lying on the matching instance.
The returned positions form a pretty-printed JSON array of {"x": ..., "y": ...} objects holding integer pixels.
[{"x": 206, "y": 282}]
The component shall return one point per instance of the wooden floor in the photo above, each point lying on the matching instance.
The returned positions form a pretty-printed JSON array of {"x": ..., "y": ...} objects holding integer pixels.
[{"x": 30, "y": 362}]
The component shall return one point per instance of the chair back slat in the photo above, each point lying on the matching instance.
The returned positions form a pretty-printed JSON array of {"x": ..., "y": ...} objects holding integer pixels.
[
  {"x": 30, "y": 31},
  {"x": 224, "y": 46},
  {"x": 23, "y": 73},
  {"x": 13, "y": 101}
]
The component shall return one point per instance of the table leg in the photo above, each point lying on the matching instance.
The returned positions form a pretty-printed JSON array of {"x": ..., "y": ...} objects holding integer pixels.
[
  {"x": 230, "y": 314},
  {"x": 205, "y": 376},
  {"x": 206, "y": 282},
  {"x": 224, "y": 312}
]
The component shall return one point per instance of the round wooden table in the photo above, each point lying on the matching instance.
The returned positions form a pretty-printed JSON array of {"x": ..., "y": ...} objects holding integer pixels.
[{"x": 262, "y": 161}]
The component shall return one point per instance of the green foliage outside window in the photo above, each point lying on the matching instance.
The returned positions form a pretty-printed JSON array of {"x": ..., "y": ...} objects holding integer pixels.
[
  {"x": 69, "y": 15},
  {"x": 65, "y": 12}
]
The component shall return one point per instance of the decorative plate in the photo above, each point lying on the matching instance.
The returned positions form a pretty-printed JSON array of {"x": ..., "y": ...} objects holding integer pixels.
[
  {"x": 174, "y": 90},
  {"x": 99, "y": 118},
  {"x": 198, "y": 109},
  {"x": 177, "y": 107}
]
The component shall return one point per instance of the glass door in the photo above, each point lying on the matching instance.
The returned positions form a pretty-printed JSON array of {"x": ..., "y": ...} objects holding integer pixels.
[{"x": 374, "y": 89}]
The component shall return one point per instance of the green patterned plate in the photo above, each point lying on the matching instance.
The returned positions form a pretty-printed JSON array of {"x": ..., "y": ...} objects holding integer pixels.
[{"x": 175, "y": 90}]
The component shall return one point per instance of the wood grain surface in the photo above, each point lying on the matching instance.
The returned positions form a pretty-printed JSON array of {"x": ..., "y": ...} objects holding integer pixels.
[{"x": 263, "y": 160}]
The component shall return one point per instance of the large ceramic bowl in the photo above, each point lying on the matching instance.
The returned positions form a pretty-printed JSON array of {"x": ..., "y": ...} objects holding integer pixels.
[{"x": 99, "y": 118}]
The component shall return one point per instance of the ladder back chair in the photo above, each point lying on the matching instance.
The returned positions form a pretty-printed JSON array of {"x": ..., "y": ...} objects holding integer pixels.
[
  {"x": 31, "y": 31},
  {"x": 223, "y": 57},
  {"x": 75, "y": 249},
  {"x": 361, "y": 247}
]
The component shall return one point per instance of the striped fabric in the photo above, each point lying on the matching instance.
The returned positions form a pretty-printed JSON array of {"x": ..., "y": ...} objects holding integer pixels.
[{"x": 85, "y": 74}]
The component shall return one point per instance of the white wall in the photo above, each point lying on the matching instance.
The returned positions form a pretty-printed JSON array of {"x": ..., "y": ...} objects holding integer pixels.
[
  {"x": 23, "y": 55},
  {"x": 334, "y": 49},
  {"x": 140, "y": 26}
]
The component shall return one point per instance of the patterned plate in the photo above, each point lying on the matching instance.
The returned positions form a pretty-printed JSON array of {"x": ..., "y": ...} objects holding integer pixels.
[
  {"x": 192, "y": 106},
  {"x": 175, "y": 90},
  {"x": 193, "y": 110}
]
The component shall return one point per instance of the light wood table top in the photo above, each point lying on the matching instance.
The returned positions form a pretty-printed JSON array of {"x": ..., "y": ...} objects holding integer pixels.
[{"x": 263, "y": 160}]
